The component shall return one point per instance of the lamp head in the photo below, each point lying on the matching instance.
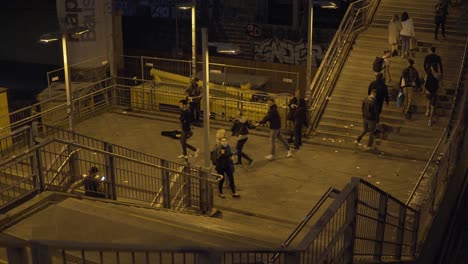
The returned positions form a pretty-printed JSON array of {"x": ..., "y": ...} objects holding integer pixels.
[
  {"x": 49, "y": 37},
  {"x": 185, "y": 6}
]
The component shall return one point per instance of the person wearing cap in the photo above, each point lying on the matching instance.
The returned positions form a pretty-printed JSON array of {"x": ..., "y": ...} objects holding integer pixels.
[
  {"x": 194, "y": 97},
  {"x": 409, "y": 80}
]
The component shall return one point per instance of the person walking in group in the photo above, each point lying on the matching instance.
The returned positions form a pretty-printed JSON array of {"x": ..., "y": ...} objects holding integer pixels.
[
  {"x": 408, "y": 82},
  {"x": 406, "y": 33},
  {"x": 300, "y": 116},
  {"x": 194, "y": 97},
  {"x": 225, "y": 167},
  {"x": 431, "y": 85},
  {"x": 433, "y": 60},
  {"x": 382, "y": 65},
  {"x": 381, "y": 91},
  {"x": 273, "y": 117},
  {"x": 370, "y": 116},
  {"x": 394, "y": 28},
  {"x": 185, "y": 121},
  {"x": 240, "y": 129},
  {"x": 440, "y": 16}
]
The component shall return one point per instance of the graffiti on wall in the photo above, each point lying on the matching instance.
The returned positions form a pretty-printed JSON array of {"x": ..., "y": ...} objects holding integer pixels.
[{"x": 287, "y": 51}]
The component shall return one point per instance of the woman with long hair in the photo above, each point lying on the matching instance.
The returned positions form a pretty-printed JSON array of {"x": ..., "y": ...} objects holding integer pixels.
[{"x": 394, "y": 27}]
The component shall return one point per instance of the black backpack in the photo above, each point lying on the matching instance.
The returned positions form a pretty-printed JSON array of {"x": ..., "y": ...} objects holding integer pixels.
[{"x": 378, "y": 64}]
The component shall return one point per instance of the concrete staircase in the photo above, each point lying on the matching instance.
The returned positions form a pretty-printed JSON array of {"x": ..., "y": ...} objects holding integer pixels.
[
  {"x": 411, "y": 138},
  {"x": 94, "y": 221}
]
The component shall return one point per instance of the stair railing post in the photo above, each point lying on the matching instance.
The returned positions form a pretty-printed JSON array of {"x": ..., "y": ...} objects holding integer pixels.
[
  {"x": 35, "y": 158},
  {"x": 166, "y": 184},
  {"x": 111, "y": 190},
  {"x": 350, "y": 217},
  {"x": 380, "y": 230},
  {"x": 400, "y": 232},
  {"x": 40, "y": 253}
]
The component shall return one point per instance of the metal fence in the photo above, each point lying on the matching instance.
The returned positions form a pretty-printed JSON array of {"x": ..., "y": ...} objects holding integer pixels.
[{"x": 358, "y": 16}]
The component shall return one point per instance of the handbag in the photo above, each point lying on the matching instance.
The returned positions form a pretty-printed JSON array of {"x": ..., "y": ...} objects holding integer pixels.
[
  {"x": 400, "y": 99},
  {"x": 413, "y": 43}
]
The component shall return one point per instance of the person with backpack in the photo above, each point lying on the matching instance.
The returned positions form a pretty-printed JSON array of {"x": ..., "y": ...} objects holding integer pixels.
[
  {"x": 409, "y": 81},
  {"x": 240, "y": 129},
  {"x": 382, "y": 65},
  {"x": 225, "y": 166},
  {"x": 431, "y": 85},
  {"x": 440, "y": 16}
]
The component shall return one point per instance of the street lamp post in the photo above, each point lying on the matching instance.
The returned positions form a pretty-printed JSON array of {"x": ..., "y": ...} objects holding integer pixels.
[
  {"x": 46, "y": 38},
  {"x": 309, "y": 46},
  {"x": 206, "y": 101},
  {"x": 192, "y": 7}
]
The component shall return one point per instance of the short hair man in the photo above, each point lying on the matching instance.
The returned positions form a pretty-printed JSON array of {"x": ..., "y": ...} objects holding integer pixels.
[
  {"x": 194, "y": 97},
  {"x": 432, "y": 59},
  {"x": 185, "y": 121},
  {"x": 370, "y": 116},
  {"x": 409, "y": 80}
]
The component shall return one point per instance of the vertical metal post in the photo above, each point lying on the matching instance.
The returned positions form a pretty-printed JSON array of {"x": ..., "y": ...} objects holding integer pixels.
[
  {"x": 414, "y": 236},
  {"x": 110, "y": 171},
  {"x": 17, "y": 255},
  {"x": 40, "y": 253},
  {"x": 350, "y": 217},
  {"x": 194, "y": 40},
  {"x": 206, "y": 101},
  {"x": 177, "y": 31},
  {"x": 74, "y": 168},
  {"x": 187, "y": 186},
  {"x": 380, "y": 230},
  {"x": 309, "y": 45},
  {"x": 166, "y": 185},
  {"x": 142, "y": 68},
  {"x": 35, "y": 159},
  {"x": 209, "y": 257},
  {"x": 292, "y": 257},
  {"x": 400, "y": 232},
  {"x": 68, "y": 87}
]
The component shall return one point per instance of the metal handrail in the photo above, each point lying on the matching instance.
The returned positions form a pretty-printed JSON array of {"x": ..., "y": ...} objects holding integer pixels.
[
  {"x": 413, "y": 192},
  {"x": 324, "y": 74},
  {"x": 59, "y": 170},
  {"x": 455, "y": 97}
]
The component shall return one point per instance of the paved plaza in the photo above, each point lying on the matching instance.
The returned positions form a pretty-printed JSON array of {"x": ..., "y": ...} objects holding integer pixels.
[{"x": 284, "y": 189}]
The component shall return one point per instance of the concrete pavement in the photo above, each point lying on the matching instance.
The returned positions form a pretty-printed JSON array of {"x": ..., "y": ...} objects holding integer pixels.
[{"x": 286, "y": 188}]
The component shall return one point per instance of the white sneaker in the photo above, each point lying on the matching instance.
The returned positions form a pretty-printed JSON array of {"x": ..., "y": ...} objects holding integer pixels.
[
  {"x": 427, "y": 113},
  {"x": 182, "y": 156},
  {"x": 195, "y": 154},
  {"x": 270, "y": 157},
  {"x": 290, "y": 153}
]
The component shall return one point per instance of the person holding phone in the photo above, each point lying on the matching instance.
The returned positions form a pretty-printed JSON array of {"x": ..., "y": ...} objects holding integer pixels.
[{"x": 92, "y": 184}]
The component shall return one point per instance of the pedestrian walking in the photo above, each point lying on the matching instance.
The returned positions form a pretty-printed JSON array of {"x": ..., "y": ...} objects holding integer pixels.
[
  {"x": 381, "y": 91},
  {"x": 431, "y": 85},
  {"x": 225, "y": 167},
  {"x": 290, "y": 117},
  {"x": 433, "y": 60},
  {"x": 440, "y": 16},
  {"x": 394, "y": 28},
  {"x": 370, "y": 116},
  {"x": 406, "y": 33},
  {"x": 220, "y": 133},
  {"x": 194, "y": 97},
  {"x": 300, "y": 119},
  {"x": 409, "y": 81},
  {"x": 185, "y": 121},
  {"x": 240, "y": 129},
  {"x": 382, "y": 65},
  {"x": 274, "y": 119}
]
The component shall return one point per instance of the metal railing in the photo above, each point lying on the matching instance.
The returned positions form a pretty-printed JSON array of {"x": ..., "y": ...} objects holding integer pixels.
[
  {"x": 357, "y": 17},
  {"x": 128, "y": 179}
]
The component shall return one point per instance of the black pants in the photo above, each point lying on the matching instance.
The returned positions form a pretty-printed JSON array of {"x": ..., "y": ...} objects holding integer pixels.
[
  {"x": 298, "y": 134},
  {"x": 195, "y": 111},
  {"x": 226, "y": 173},
  {"x": 442, "y": 25},
  {"x": 239, "y": 146},
  {"x": 183, "y": 141}
]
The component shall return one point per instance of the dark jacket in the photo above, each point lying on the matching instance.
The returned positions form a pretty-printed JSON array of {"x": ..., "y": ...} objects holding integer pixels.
[
  {"x": 300, "y": 115},
  {"x": 240, "y": 127},
  {"x": 91, "y": 187},
  {"x": 192, "y": 91},
  {"x": 273, "y": 117},
  {"x": 410, "y": 74},
  {"x": 185, "y": 120},
  {"x": 223, "y": 160},
  {"x": 382, "y": 90},
  {"x": 370, "y": 111},
  {"x": 292, "y": 108},
  {"x": 433, "y": 59}
]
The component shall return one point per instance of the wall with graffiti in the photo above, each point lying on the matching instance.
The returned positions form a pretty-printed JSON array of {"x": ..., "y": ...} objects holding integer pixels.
[{"x": 277, "y": 44}]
